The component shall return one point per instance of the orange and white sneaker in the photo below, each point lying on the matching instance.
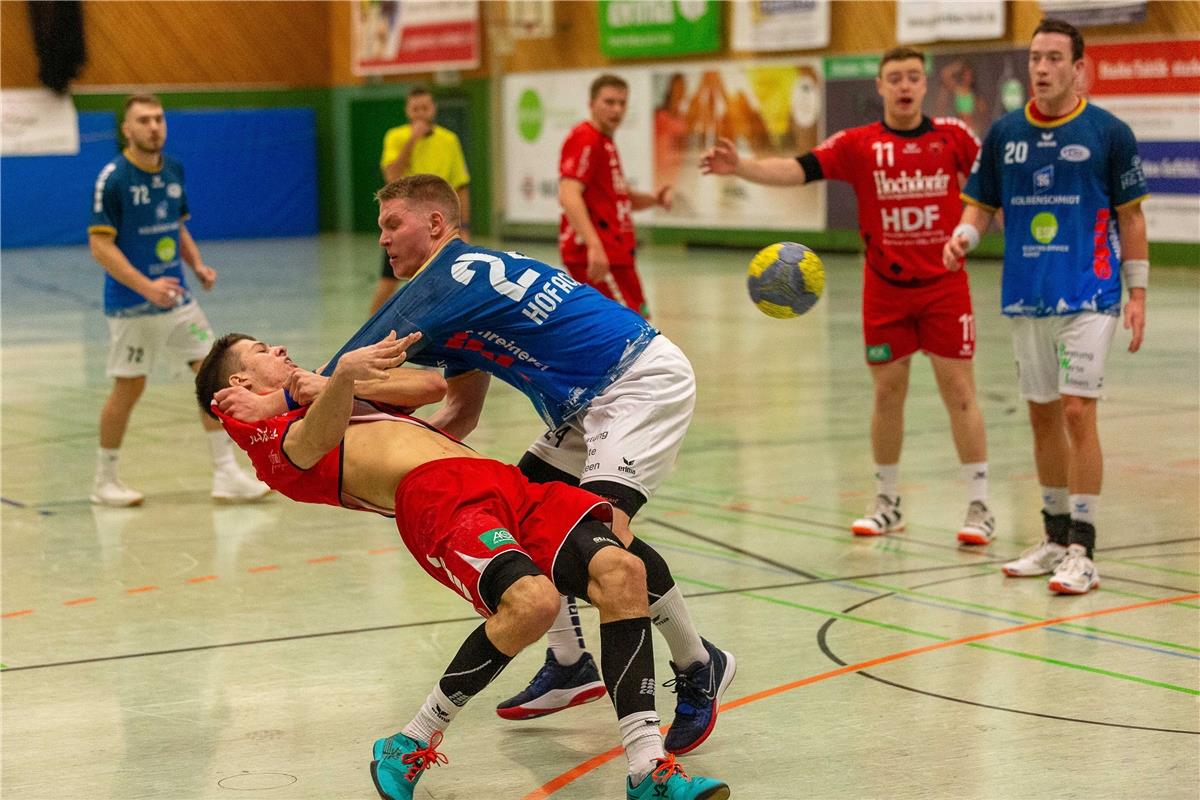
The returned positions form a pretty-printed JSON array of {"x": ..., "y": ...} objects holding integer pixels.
[
  {"x": 1076, "y": 574},
  {"x": 980, "y": 525},
  {"x": 882, "y": 517}
]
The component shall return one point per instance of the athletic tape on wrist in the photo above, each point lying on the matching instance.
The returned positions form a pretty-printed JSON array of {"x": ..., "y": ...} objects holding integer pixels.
[
  {"x": 968, "y": 232},
  {"x": 1135, "y": 273}
]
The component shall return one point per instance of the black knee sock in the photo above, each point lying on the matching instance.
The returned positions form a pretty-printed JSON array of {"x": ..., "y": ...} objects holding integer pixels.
[
  {"x": 658, "y": 574},
  {"x": 475, "y": 665},
  {"x": 627, "y": 661}
]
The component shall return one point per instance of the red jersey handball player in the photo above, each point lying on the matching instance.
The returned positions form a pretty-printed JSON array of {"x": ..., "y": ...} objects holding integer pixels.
[{"x": 906, "y": 171}]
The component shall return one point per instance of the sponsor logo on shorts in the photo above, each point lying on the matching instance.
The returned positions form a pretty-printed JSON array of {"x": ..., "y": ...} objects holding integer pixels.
[
  {"x": 495, "y": 538},
  {"x": 603, "y": 540},
  {"x": 879, "y": 353}
]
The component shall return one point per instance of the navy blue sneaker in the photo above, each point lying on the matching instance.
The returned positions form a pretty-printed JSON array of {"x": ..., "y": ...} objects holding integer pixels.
[
  {"x": 555, "y": 688},
  {"x": 698, "y": 691}
]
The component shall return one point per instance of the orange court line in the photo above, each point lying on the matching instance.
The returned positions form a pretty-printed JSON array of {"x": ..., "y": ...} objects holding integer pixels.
[
  {"x": 264, "y": 568},
  {"x": 141, "y": 589},
  {"x": 79, "y": 601},
  {"x": 382, "y": 550},
  {"x": 20, "y": 613},
  {"x": 596, "y": 761},
  {"x": 202, "y": 578},
  {"x": 323, "y": 559}
]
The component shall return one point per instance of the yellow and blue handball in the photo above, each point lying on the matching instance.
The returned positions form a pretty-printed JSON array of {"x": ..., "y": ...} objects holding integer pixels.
[{"x": 785, "y": 280}]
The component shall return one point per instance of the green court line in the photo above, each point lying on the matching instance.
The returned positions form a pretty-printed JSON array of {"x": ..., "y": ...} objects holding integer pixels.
[
  {"x": 1154, "y": 567},
  {"x": 937, "y": 637},
  {"x": 1136, "y": 596}
]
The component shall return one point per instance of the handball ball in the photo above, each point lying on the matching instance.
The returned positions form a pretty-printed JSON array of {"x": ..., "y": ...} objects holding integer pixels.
[{"x": 785, "y": 280}]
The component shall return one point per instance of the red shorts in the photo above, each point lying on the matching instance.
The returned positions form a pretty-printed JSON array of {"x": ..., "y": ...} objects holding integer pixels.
[
  {"x": 622, "y": 285},
  {"x": 456, "y": 515},
  {"x": 900, "y": 320}
]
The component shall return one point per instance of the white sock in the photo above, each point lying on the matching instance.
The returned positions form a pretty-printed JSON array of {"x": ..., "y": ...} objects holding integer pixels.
[
  {"x": 220, "y": 447},
  {"x": 887, "y": 480},
  {"x": 1083, "y": 507},
  {"x": 976, "y": 475},
  {"x": 566, "y": 635},
  {"x": 643, "y": 743},
  {"x": 1055, "y": 500},
  {"x": 106, "y": 463},
  {"x": 670, "y": 615},
  {"x": 434, "y": 717}
]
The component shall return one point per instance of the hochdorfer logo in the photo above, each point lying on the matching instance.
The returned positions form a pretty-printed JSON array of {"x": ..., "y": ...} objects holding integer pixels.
[{"x": 916, "y": 185}]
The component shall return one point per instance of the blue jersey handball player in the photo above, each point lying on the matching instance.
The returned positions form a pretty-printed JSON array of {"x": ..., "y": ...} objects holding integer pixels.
[
  {"x": 616, "y": 395},
  {"x": 1068, "y": 177},
  {"x": 137, "y": 233}
]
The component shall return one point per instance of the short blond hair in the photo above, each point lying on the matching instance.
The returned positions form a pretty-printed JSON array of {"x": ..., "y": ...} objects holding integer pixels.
[{"x": 425, "y": 189}]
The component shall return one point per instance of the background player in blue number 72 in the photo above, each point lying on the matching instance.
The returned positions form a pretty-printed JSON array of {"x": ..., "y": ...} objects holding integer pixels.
[
  {"x": 1068, "y": 177},
  {"x": 587, "y": 364}
]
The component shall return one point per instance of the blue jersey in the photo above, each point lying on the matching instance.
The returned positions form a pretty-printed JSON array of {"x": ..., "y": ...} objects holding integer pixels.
[
  {"x": 531, "y": 325},
  {"x": 1059, "y": 184},
  {"x": 143, "y": 210}
]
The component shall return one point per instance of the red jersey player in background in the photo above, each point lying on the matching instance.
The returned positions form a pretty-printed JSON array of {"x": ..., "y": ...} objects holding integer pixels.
[
  {"x": 595, "y": 237},
  {"x": 905, "y": 171}
]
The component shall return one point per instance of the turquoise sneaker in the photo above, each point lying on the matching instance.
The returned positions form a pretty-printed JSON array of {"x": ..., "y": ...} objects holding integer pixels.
[
  {"x": 668, "y": 781},
  {"x": 398, "y": 764}
]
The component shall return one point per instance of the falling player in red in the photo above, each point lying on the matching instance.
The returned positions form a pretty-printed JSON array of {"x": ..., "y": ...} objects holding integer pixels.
[
  {"x": 906, "y": 172},
  {"x": 595, "y": 237}
]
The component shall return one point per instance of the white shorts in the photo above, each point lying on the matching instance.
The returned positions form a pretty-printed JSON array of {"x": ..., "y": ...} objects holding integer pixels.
[
  {"x": 136, "y": 343},
  {"x": 631, "y": 432},
  {"x": 1062, "y": 355}
]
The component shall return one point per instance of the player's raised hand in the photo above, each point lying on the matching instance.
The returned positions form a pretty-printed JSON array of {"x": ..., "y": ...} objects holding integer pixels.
[
  {"x": 304, "y": 386},
  {"x": 1135, "y": 318},
  {"x": 373, "y": 361},
  {"x": 720, "y": 159},
  {"x": 241, "y": 403}
]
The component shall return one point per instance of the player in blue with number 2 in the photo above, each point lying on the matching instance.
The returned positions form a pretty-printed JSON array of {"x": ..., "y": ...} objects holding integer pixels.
[
  {"x": 616, "y": 394},
  {"x": 1068, "y": 177}
]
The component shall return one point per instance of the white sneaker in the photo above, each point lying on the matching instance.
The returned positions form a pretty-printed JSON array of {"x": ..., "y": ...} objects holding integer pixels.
[
  {"x": 111, "y": 492},
  {"x": 232, "y": 485},
  {"x": 1076, "y": 574},
  {"x": 980, "y": 525},
  {"x": 882, "y": 517},
  {"x": 1041, "y": 559}
]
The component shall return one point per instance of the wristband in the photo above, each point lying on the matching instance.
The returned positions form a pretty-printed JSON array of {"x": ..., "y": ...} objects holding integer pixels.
[
  {"x": 1135, "y": 273},
  {"x": 969, "y": 232},
  {"x": 292, "y": 405}
]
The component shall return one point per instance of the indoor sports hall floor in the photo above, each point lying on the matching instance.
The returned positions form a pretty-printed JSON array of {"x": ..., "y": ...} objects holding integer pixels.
[{"x": 189, "y": 650}]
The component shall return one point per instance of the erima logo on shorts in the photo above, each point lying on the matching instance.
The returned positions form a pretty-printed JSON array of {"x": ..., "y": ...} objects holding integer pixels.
[
  {"x": 877, "y": 353},
  {"x": 496, "y": 537}
]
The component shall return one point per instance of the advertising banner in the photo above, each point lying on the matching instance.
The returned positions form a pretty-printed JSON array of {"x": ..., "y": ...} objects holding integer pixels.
[
  {"x": 397, "y": 36},
  {"x": 766, "y": 25},
  {"x": 674, "y": 114},
  {"x": 767, "y": 109},
  {"x": 1088, "y": 13},
  {"x": 540, "y": 109},
  {"x": 640, "y": 28},
  {"x": 920, "y": 21},
  {"x": 38, "y": 122},
  {"x": 1155, "y": 88}
]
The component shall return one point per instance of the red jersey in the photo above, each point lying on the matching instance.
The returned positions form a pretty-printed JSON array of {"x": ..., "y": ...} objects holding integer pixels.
[
  {"x": 590, "y": 157},
  {"x": 907, "y": 187},
  {"x": 320, "y": 483}
]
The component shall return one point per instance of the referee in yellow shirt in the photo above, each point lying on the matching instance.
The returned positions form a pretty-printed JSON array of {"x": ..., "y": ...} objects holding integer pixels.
[{"x": 422, "y": 147}]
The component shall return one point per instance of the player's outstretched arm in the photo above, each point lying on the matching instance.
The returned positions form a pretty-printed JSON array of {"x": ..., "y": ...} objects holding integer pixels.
[
  {"x": 162, "y": 292},
  {"x": 723, "y": 159},
  {"x": 323, "y": 427},
  {"x": 464, "y": 402},
  {"x": 1135, "y": 269},
  {"x": 189, "y": 251}
]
